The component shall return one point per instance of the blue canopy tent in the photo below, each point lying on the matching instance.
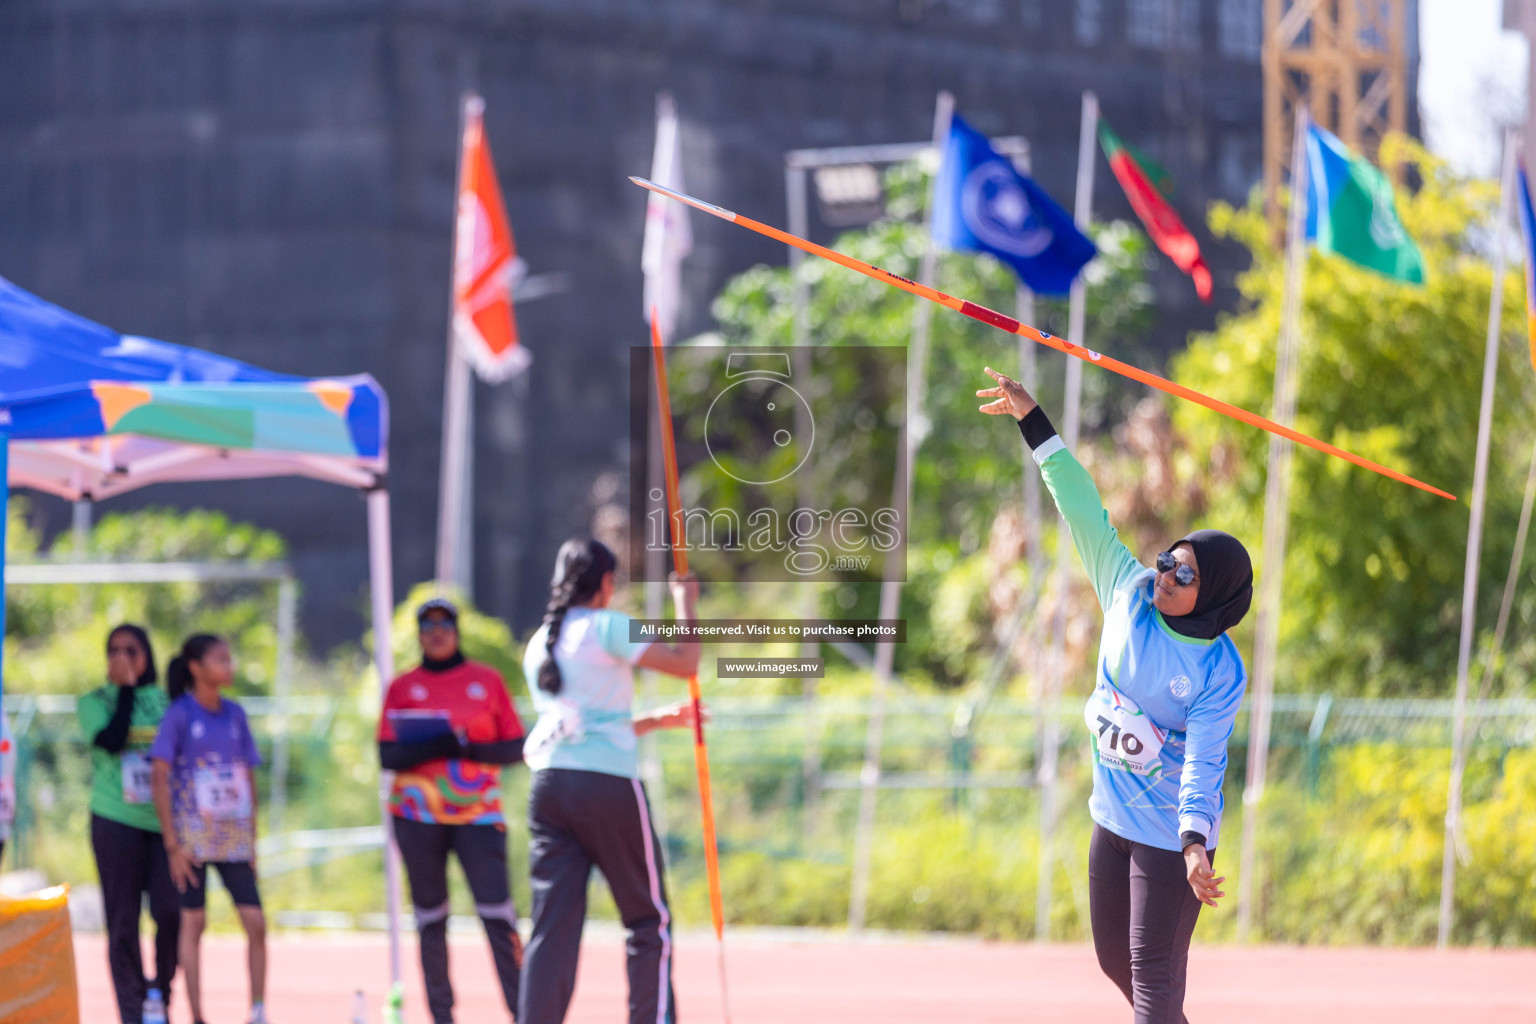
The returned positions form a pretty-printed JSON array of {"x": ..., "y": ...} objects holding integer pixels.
[{"x": 87, "y": 413}]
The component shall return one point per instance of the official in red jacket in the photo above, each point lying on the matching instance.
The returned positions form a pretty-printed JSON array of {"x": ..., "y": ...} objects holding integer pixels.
[{"x": 447, "y": 730}]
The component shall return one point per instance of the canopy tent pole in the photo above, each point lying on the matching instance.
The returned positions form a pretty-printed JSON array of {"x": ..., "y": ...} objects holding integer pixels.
[
  {"x": 287, "y": 626},
  {"x": 5, "y": 504},
  {"x": 80, "y": 526},
  {"x": 381, "y": 582}
]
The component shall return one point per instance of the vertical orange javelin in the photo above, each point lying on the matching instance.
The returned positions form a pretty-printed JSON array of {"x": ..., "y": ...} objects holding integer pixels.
[{"x": 680, "y": 561}]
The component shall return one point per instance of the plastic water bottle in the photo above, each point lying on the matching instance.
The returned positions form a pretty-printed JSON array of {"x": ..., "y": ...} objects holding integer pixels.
[
  {"x": 359, "y": 1008},
  {"x": 394, "y": 1010},
  {"x": 154, "y": 1008}
]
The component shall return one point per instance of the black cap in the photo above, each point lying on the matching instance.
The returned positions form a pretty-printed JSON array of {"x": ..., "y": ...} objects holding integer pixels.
[{"x": 438, "y": 604}]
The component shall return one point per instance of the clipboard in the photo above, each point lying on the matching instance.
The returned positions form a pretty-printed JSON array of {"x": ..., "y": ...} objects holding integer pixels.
[{"x": 418, "y": 726}]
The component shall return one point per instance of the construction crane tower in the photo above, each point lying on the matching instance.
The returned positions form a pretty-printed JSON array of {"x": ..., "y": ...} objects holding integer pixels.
[{"x": 1347, "y": 61}]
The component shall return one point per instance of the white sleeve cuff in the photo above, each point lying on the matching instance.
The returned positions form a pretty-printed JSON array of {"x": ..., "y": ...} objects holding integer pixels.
[
  {"x": 1195, "y": 823},
  {"x": 1048, "y": 449}
]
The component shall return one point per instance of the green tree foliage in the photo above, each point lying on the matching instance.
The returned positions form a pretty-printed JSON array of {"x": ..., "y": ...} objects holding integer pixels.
[
  {"x": 1359, "y": 863},
  {"x": 1374, "y": 568},
  {"x": 56, "y": 635}
]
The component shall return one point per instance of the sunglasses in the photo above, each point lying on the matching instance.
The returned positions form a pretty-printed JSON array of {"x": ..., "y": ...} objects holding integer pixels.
[
  {"x": 1183, "y": 575},
  {"x": 441, "y": 625}
]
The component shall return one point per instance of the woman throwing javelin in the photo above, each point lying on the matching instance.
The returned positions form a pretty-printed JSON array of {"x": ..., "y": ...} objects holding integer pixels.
[
  {"x": 1168, "y": 683},
  {"x": 586, "y": 805}
]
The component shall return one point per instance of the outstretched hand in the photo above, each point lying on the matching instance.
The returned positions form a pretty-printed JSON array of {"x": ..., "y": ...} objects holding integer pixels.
[{"x": 1011, "y": 397}]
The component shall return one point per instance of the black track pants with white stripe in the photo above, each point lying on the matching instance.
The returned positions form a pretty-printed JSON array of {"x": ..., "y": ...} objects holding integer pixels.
[
  {"x": 578, "y": 820},
  {"x": 482, "y": 852}
]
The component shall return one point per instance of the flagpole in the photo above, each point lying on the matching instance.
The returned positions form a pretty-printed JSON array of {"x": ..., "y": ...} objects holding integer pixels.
[
  {"x": 1277, "y": 504},
  {"x": 810, "y": 751},
  {"x": 1029, "y": 374},
  {"x": 453, "y": 482},
  {"x": 655, "y": 564},
  {"x": 1474, "y": 550},
  {"x": 890, "y": 588},
  {"x": 1050, "y": 750}
]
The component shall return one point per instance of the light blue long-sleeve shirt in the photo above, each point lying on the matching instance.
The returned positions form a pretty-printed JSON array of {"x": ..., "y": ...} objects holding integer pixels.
[{"x": 1187, "y": 689}]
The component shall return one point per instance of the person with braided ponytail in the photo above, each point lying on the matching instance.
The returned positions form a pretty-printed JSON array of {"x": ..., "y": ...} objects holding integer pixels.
[
  {"x": 586, "y": 804},
  {"x": 447, "y": 730}
]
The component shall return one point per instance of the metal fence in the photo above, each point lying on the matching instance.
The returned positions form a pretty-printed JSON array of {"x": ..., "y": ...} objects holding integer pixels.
[{"x": 787, "y": 768}]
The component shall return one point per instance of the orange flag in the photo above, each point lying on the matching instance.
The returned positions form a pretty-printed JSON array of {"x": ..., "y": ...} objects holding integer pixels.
[{"x": 485, "y": 260}]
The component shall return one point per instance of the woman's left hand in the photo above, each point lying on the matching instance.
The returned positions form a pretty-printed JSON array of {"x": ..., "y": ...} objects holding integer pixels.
[
  {"x": 1011, "y": 397},
  {"x": 1202, "y": 880},
  {"x": 677, "y": 716}
]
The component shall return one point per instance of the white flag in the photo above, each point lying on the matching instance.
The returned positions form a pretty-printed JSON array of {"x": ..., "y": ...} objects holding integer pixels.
[{"x": 667, "y": 236}]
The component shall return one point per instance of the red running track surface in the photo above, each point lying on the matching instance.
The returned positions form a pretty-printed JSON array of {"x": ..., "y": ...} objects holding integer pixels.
[{"x": 810, "y": 978}]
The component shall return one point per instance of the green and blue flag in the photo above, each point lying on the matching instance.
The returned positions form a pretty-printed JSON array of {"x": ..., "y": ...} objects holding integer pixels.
[{"x": 1351, "y": 211}]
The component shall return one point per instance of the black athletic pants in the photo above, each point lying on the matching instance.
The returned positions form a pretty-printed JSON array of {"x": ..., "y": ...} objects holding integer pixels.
[
  {"x": 132, "y": 861},
  {"x": 1143, "y": 913},
  {"x": 482, "y": 852},
  {"x": 578, "y": 820}
]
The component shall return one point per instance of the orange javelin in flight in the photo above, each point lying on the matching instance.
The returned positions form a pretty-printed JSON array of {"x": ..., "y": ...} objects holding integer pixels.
[{"x": 1009, "y": 324}]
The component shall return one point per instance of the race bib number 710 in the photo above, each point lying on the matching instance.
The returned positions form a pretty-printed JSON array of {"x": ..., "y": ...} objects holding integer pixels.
[{"x": 1123, "y": 737}]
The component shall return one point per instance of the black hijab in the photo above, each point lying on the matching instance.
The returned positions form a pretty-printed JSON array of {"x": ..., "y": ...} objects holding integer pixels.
[{"x": 1226, "y": 585}]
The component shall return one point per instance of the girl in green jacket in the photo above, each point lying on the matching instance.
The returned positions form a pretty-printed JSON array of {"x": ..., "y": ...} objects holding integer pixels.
[{"x": 120, "y": 720}]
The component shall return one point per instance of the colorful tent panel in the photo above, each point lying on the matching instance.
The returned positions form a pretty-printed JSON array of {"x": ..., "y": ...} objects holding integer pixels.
[
  {"x": 44, "y": 347},
  {"x": 90, "y": 413},
  {"x": 303, "y": 417}
]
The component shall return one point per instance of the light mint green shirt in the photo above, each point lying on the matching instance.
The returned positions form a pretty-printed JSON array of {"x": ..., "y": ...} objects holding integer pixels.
[{"x": 589, "y": 724}]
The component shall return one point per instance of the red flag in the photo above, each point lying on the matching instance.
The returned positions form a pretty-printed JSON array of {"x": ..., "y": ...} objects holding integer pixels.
[
  {"x": 1159, "y": 218},
  {"x": 484, "y": 260}
]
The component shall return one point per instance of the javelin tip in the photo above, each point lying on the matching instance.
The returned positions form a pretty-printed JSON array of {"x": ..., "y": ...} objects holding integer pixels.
[{"x": 682, "y": 197}]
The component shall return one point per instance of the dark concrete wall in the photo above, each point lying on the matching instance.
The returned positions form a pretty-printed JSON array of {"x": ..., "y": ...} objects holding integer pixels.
[{"x": 273, "y": 181}]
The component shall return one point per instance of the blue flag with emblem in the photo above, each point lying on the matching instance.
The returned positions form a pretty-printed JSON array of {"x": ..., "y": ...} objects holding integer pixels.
[{"x": 982, "y": 204}]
